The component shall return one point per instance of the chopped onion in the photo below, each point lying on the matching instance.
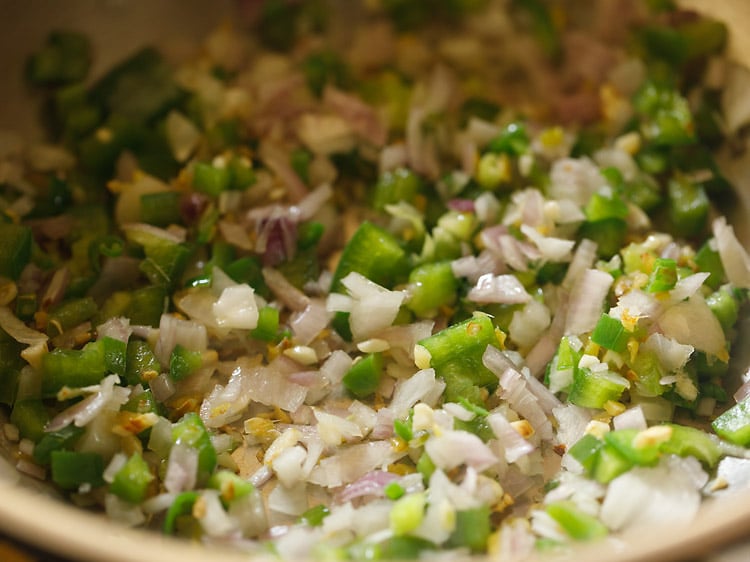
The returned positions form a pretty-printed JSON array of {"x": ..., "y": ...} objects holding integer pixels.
[
  {"x": 236, "y": 308},
  {"x": 503, "y": 289},
  {"x": 173, "y": 331},
  {"x": 352, "y": 462},
  {"x": 182, "y": 469},
  {"x": 632, "y": 418},
  {"x": 19, "y": 331},
  {"x": 308, "y": 323},
  {"x": 450, "y": 449},
  {"x": 514, "y": 445},
  {"x": 586, "y": 301},
  {"x": 225, "y": 404},
  {"x": 373, "y": 308},
  {"x": 371, "y": 484},
  {"x": 691, "y": 322},
  {"x": 552, "y": 249},
  {"x": 734, "y": 258},
  {"x": 117, "y": 328}
]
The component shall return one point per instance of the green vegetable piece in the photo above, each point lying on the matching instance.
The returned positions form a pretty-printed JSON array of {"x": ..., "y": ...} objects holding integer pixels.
[
  {"x": 393, "y": 490},
  {"x": 472, "y": 529},
  {"x": 395, "y": 186},
  {"x": 190, "y": 431},
  {"x": 161, "y": 209},
  {"x": 300, "y": 160},
  {"x": 456, "y": 355},
  {"x": 70, "y": 314},
  {"x": 71, "y": 469},
  {"x": 493, "y": 170},
  {"x": 688, "y": 206},
  {"x": 181, "y": 506},
  {"x": 231, "y": 486},
  {"x": 579, "y": 525},
  {"x": 586, "y": 451},
  {"x": 277, "y": 25},
  {"x": 643, "y": 191},
  {"x": 708, "y": 260},
  {"x": 115, "y": 355},
  {"x": 165, "y": 259},
  {"x": 407, "y": 513},
  {"x": 542, "y": 26},
  {"x": 109, "y": 246},
  {"x": 211, "y": 180},
  {"x": 690, "y": 441},
  {"x": 64, "y": 58},
  {"x": 514, "y": 141},
  {"x": 364, "y": 377},
  {"x": 183, "y": 362},
  {"x": 73, "y": 368},
  {"x": 593, "y": 389},
  {"x": 139, "y": 89},
  {"x": 640, "y": 452},
  {"x": 405, "y": 548},
  {"x": 610, "y": 334},
  {"x": 665, "y": 116},
  {"x": 734, "y": 424},
  {"x": 315, "y": 515},
  {"x": 663, "y": 277},
  {"x": 609, "y": 465},
  {"x": 562, "y": 367},
  {"x": 141, "y": 364},
  {"x": 425, "y": 467},
  {"x": 268, "y": 324},
  {"x": 432, "y": 286},
  {"x": 374, "y": 253},
  {"x": 725, "y": 307},
  {"x": 63, "y": 438},
  {"x": 132, "y": 481},
  {"x": 146, "y": 305},
  {"x": 601, "y": 207},
  {"x": 15, "y": 249},
  {"x": 309, "y": 234},
  {"x": 403, "y": 429},
  {"x": 609, "y": 235},
  {"x": 143, "y": 403},
  {"x": 650, "y": 372},
  {"x": 30, "y": 416}
]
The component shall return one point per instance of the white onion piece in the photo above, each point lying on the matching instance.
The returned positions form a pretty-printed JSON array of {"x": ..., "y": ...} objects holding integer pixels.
[
  {"x": 360, "y": 116},
  {"x": 308, "y": 323},
  {"x": 450, "y": 449},
  {"x": 288, "y": 465},
  {"x": 289, "y": 501},
  {"x": 270, "y": 385},
  {"x": 586, "y": 301},
  {"x": 374, "y": 308},
  {"x": 225, "y": 404},
  {"x": 514, "y": 445},
  {"x": 583, "y": 259},
  {"x": 503, "y": 289},
  {"x": 117, "y": 328},
  {"x": 236, "y": 308},
  {"x": 515, "y": 390},
  {"x": 105, "y": 395},
  {"x": 734, "y": 101},
  {"x": 551, "y": 248},
  {"x": 691, "y": 322},
  {"x": 371, "y": 484},
  {"x": 410, "y": 391},
  {"x": 352, "y": 462},
  {"x": 122, "y": 511},
  {"x": 287, "y": 293},
  {"x": 173, "y": 331},
  {"x": 571, "y": 423},
  {"x": 392, "y": 156},
  {"x": 183, "y": 136},
  {"x": 182, "y": 469},
  {"x": 19, "y": 331},
  {"x": 649, "y": 496},
  {"x": 742, "y": 392},
  {"x": 574, "y": 179},
  {"x": 162, "y": 386},
  {"x": 309, "y": 206},
  {"x": 529, "y": 323},
  {"x": 336, "y": 366},
  {"x": 672, "y": 354},
  {"x": 333, "y": 430},
  {"x": 734, "y": 257},
  {"x": 473, "y": 267},
  {"x": 632, "y": 418},
  {"x": 214, "y": 519},
  {"x": 687, "y": 286}
]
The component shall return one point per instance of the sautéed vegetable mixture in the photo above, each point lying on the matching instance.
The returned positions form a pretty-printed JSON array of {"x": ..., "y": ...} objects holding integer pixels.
[{"x": 382, "y": 280}]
